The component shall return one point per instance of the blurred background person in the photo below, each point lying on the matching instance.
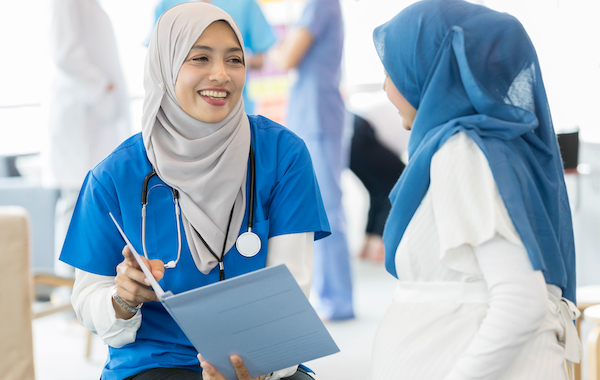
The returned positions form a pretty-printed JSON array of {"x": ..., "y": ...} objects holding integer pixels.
[
  {"x": 257, "y": 33},
  {"x": 376, "y": 147},
  {"x": 88, "y": 105},
  {"x": 316, "y": 113}
]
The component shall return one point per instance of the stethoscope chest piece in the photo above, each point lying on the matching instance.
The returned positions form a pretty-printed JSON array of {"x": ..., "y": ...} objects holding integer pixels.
[{"x": 248, "y": 244}]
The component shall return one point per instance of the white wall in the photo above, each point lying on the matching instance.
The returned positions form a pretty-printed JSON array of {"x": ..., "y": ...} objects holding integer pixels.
[{"x": 584, "y": 193}]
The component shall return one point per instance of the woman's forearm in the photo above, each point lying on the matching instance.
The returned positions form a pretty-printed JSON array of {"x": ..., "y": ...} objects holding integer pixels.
[
  {"x": 92, "y": 302},
  {"x": 517, "y": 307}
]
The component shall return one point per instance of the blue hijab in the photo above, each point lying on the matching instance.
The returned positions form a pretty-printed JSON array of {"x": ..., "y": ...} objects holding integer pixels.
[{"x": 467, "y": 68}]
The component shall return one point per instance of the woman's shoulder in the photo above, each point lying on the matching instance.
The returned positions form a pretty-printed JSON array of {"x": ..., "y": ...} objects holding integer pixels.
[
  {"x": 276, "y": 145},
  {"x": 459, "y": 146},
  {"x": 461, "y": 153},
  {"x": 460, "y": 163},
  {"x": 465, "y": 197},
  {"x": 271, "y": 132},
  {"x": 126, "y": 160}
]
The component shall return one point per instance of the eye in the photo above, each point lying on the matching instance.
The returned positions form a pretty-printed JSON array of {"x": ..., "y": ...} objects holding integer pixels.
[
  {"x": 200, "y": 59},
  {"x": 237, "y": 61}
]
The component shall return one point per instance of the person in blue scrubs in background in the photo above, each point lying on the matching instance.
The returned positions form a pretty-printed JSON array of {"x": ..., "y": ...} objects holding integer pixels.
[
  {"x": 256, "y": 31},
  {"x": 199, "y": 143},
  {"x": 316, "y": 113}
]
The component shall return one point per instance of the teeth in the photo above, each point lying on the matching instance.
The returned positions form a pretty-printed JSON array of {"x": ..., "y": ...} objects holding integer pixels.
[{"x": 214, "y": 94}]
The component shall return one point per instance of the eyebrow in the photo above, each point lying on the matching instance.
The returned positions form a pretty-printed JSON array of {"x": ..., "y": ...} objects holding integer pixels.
[{"x": 208, "y": 48}]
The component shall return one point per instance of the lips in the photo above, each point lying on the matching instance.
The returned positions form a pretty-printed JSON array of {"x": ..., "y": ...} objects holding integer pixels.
[{"x": 214, "y": 97}]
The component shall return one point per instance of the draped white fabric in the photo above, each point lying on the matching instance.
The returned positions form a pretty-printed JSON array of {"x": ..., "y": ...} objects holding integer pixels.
[{"x": 441, "y": 300}]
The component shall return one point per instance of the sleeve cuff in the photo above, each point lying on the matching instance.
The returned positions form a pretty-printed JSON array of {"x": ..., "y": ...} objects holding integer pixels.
[
  {"x": 118, "y": 332},
  {"x": 286, "y": 372}
]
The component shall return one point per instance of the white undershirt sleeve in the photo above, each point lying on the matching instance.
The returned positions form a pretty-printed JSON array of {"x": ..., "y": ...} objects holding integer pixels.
[
  {"x": 517, "y": 307},
  {"x": 296, "y": 252},
  {"x": 92, "y": 302}
]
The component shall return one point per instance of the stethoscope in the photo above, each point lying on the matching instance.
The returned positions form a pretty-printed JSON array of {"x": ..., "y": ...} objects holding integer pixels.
[{"x": 248, "y": 244}]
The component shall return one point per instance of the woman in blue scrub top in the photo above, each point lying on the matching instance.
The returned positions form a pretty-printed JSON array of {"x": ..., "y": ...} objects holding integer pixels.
[
  {"x": 199, "y": 141},
  {"x": 316, "y": 113}
]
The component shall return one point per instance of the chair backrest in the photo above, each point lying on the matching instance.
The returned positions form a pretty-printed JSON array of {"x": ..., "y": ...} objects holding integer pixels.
[
  {"x": 569, "y": 149},
  {"x": 16, "y": 339}
]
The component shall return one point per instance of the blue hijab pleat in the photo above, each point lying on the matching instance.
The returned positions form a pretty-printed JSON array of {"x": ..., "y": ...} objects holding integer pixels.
[{"x": 467, "y": 68}]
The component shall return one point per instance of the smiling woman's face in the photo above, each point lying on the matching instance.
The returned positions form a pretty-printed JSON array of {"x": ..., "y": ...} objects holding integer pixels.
[
  {"x": 405, "y": 109},
  {"x": 211, "y": 79}
]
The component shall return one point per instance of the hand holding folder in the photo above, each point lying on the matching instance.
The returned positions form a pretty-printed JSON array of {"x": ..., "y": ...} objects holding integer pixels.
[{"x": 262, "y": 316}]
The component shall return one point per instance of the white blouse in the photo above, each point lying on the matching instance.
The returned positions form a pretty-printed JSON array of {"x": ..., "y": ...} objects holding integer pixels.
[{"x": 468, "y": 304}]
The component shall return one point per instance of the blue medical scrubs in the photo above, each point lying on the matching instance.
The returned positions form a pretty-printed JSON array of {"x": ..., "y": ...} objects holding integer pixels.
[
  {"x": 316, "y": 114},
  {"x": 257, "y": 33},
  {"x": 287, "y": 201}
]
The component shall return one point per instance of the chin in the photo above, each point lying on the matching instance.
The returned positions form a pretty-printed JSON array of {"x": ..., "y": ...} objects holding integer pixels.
[{"x": 210, "y": 118}]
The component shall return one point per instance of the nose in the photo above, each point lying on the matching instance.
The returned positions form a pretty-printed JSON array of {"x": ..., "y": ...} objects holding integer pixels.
[{"x": 219, "y": 73}]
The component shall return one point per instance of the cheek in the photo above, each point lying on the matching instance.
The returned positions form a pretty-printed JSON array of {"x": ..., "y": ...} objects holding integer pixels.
[
  {"x": 179, "y": 86},
  {"x": 240, "y": 79},
  {"x": 392, "y": 93},
  {"x": 184, "y": 85},
  {"x": 396, "y": 100},
  {"x": 404, "y": 104}
]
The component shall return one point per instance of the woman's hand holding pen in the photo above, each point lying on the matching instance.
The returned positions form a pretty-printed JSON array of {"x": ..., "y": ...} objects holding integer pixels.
[
  {"x": 132, "y": 286},
  {"x": 210, "y": 373}
]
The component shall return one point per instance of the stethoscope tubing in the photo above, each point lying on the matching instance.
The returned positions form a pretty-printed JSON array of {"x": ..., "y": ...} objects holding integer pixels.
[
  {"x": 172, "y": 263},
  {"x": 252, "y": 190},
  {"x": 144, "y": 201}
]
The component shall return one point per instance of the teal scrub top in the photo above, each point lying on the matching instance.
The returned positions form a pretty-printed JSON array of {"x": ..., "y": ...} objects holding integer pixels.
[{"x": 287, "y": 201}]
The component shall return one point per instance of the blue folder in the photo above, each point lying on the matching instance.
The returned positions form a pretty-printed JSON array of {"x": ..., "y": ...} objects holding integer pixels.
[{"x": 262, "y": 316}]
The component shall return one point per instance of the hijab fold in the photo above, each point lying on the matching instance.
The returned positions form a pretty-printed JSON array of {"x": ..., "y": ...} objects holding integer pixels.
[
  {"x": 467, "y": 68},
  {"x": 205, "y": 162}
]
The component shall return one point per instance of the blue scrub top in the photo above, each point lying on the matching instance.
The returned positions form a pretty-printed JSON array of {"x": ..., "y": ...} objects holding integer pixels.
[
  {"x": 316, "y": 107},
  {"x": 257, "y": 33},
  {"x": 287, "y": 201}
]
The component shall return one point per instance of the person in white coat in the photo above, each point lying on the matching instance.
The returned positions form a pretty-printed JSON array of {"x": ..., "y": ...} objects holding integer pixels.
[{"x": 88, "y": 108}]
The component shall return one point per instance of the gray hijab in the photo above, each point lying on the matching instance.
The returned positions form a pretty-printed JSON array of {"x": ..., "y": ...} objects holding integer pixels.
[{"x": 205, "y": 162}]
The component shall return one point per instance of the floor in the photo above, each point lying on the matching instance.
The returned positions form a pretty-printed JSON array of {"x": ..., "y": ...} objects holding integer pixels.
[{"x": 59, "y": 341}]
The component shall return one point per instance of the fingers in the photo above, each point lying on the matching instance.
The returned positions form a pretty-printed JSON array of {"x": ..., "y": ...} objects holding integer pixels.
[
  {"x": 240, "y": 369},
  {"x": 131, "y": 282},
  {"x": 129, "y": 256},
  {"x": 208, "y": 371},
  {"x": 157, "y": 267}
]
